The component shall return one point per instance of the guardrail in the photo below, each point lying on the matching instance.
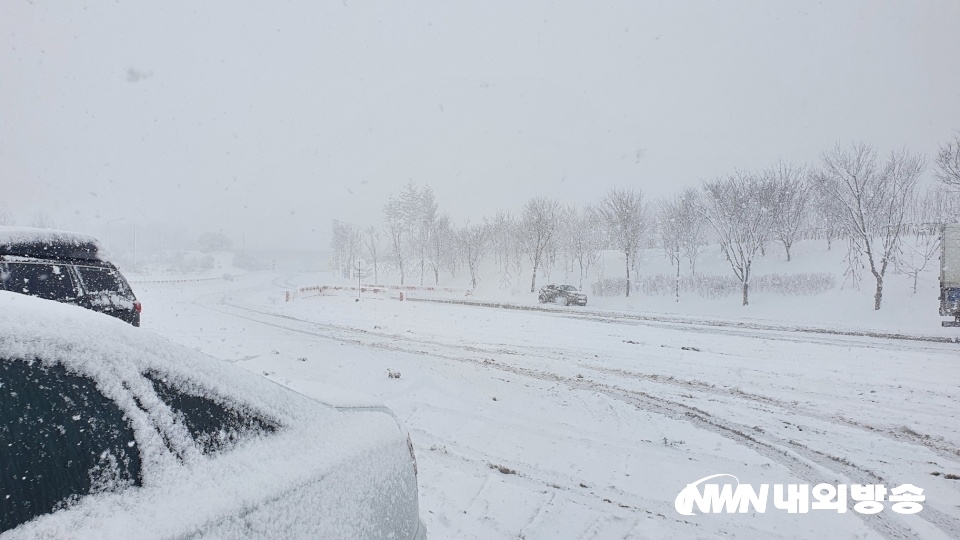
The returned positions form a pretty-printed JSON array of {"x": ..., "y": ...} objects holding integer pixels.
[
  {"x": 305, "y": 292},
  {"x": 192, "y": 280},
  {"x": 317, "y": 290},
  {"x": 467, "y": 292}
]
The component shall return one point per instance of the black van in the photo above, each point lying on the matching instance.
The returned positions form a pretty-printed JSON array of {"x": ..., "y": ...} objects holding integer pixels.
[{"x": 65, "y": 267}]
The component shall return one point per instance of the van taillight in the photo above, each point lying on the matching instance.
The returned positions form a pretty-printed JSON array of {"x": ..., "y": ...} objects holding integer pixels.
[{"x": 137, "y": 306}]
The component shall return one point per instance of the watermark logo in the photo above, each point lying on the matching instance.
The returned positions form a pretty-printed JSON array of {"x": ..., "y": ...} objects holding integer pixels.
[{"x": 729, "y": 497}]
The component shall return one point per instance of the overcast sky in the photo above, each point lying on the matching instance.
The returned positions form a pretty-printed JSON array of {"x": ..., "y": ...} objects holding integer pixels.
[{"x": 270, "y": 119}]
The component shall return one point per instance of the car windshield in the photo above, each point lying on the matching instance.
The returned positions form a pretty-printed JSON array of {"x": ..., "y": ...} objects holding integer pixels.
[{"x": 568, "y": 288}]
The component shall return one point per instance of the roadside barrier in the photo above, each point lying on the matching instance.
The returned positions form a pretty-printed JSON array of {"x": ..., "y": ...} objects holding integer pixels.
[
  {"x": 317, "y": 290},
  {"x": 404, "y": 290},
  {"x": 466, "y": 292},
  {"x": 193, "y": 280}
]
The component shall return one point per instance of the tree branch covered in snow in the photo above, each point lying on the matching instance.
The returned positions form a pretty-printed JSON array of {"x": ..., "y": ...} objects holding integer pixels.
[
  {"x": 948, "y": 162},
  {"x": 396, "y": 227},
  {"x": 540, "y": 220},
  {"x": 682, "y": 230},
  {"x": 625, "y": 220},
  {"x": 791, "y": 193},
  {"x": 473, "y": 241},
  {"x": 739, "y": 210},
  {"x": 374, "y": 250},
  {"x": 347, "y": 242},
  {"x": 873, "y": 201},
  {"x": 926, "y": 214},
  {"x": 507, "y": 246},
  {"x": 582, "y": 239},
  {"x": 441, "y": 240}
]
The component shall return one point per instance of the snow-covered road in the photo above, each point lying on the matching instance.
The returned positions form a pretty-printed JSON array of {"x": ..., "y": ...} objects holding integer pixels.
[{"x": 538, "y": 424}]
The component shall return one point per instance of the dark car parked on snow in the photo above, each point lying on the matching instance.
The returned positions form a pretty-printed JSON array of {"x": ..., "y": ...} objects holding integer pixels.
[
  {"x": 562, "y": 294},
  {"x": 66, "y": 267}
]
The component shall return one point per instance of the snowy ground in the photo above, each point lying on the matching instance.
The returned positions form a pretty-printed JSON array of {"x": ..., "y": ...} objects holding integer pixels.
[{"x": 553, "y": 425}]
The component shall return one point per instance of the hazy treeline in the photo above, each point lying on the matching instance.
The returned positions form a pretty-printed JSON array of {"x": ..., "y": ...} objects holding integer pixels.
[{"x": 851, "y": 196}]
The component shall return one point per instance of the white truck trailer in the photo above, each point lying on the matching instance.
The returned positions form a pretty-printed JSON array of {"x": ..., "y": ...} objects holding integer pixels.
[{"x": 950, "y": 273}]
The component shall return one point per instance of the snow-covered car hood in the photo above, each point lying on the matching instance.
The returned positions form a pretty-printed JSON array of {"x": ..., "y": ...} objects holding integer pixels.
[{"x": 350, "y": 474}]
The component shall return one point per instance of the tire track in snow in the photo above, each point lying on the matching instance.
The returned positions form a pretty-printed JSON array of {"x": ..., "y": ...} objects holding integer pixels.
[
  {"x": 900, "y": 434},
  {"x": 718, "y": 326},
  {"x": 803, "y": 462},
  {"x": 939, "y": 447},
  {"x": 555, "y": 480}
]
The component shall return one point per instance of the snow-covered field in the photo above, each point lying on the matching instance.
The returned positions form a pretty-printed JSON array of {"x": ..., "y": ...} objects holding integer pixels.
[{"x": 562, "y": 424}]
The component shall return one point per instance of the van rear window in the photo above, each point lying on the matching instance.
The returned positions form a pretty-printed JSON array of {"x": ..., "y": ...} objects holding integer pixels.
[
  {"x": 103, "y": 280},
  {"x": 49, "y": 281}
]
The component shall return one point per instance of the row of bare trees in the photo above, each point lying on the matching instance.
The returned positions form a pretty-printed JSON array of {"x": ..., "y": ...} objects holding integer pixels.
[
  {"x": 850, "y": 195},
  {"x": 867, "y": 201},
  {"x": 416, "y": 240}
]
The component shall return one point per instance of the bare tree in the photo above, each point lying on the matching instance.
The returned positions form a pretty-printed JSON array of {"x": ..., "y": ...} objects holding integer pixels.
[
  {"x": 540, "y": 218},
  {"x": 945, "y": 204},
  {"x": 454, "y": 259},
  {"x": 346, "y": 243},
  {"x": 624, "y": 217},
  {"x": 792, "y": 192},
  {"x": 738, "y": 210},
  {"x": 828, "y": 213},
  {"x": 518, "y": 248},
  {"x": 473, "y": 241},
  {"x": 373, "y": 247},
  {"x": 682, "y": 230},
  {"x": 396, "y": 228},
  {"x": 927, "y": 213},
  {"x": 582, "y": 240},
  {"x": 948, "y": 162},
  {"x": 694, "y": 227},
  {"x": 503, "y": 238},
  {"x": 562, "y": 249},
  {"x": 670, "y": 225},
  {"x": 6, "y": 218},
  {"x": 419, "y": 212},
  {"x": 551, "y": 250},
  {"x": 874, "y": 201},
  {"x": 914, "y": 256},
  {"x": 441, "y": 240},
  {"x": 426, "y": 214}
]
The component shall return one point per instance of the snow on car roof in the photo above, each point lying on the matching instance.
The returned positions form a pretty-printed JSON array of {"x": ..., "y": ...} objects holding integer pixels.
[
  {"x": 27, "y": 241},
  {"x": 114, "y": 355}
]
